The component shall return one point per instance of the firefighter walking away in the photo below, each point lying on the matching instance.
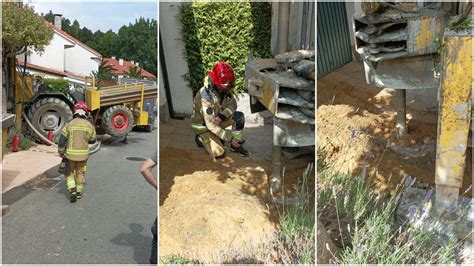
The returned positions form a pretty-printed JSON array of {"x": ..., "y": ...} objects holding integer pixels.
[
  {"x": 215, "y": 109},
  {"x": 74, "y": 146}
]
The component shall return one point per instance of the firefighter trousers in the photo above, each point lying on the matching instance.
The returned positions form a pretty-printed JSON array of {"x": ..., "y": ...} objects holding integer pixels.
[
  {"x": 214, "y": 143},
  {"x": 75, "y": 179}
]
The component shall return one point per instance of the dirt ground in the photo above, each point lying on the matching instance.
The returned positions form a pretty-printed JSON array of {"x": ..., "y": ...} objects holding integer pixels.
[
  {"x": 355, "y": 122},
  {"x": 217, "y": 212}
]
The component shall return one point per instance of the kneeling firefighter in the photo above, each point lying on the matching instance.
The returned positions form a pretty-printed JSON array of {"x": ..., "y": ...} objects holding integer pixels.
[
  {"x": 214, "y": 110},
  {"x": 74, "y": 146}
]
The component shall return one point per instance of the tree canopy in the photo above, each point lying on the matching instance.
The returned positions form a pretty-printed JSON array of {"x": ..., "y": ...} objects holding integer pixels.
[
  {"x": 133, "y": 42},
  {"x": 21, "y": 28}
]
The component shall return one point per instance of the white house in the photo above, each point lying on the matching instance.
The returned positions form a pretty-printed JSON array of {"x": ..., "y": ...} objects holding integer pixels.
[{"x": 64, "y": 57}]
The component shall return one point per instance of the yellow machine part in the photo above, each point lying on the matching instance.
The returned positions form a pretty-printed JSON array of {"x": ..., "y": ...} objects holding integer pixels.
[
  {"x": 4, "y": 140},
  {"x": 454, "y": 111},
  {"x": 142, "y": 119},
  {"x": 27, "y": 91},
  {"x": 92, "y": 99}
]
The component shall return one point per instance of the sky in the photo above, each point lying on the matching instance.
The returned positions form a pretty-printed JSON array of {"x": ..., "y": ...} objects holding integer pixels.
[{"x": 94, "y": 15}]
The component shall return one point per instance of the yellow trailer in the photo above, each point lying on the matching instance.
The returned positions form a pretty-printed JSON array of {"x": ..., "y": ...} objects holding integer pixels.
[{"x": 120, "y": 107}]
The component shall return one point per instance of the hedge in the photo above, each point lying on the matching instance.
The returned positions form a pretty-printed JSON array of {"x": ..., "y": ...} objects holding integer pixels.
[
  {"x": 58, "y": 85},
  {"x": 227, "y": 32}
]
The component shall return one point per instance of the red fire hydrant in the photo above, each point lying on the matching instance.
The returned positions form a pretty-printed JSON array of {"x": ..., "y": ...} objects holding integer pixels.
[
  {"x": 50, "y": 138},
  {"x": 16, "y": 143}
]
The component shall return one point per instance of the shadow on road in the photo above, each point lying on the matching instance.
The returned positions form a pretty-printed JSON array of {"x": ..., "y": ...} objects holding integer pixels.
[
  {"x": 141, "y": 244},
  {"x": 119, "y": 141}
]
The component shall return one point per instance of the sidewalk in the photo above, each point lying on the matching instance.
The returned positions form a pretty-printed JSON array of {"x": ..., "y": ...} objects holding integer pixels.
[{"x": 21, "y": 167}]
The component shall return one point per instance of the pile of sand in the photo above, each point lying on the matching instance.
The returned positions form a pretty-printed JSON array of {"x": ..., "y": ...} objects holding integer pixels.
[
  {"x": 355, "y": 125},
  {"x": 213, "y": 212}
]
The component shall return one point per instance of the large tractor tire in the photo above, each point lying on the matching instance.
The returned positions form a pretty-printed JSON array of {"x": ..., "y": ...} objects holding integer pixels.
[
  {"x": 49, "y": 114},
  {"x": 117, "y": 121}
]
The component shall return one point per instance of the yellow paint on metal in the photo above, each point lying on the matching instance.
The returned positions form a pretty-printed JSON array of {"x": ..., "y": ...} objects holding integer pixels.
[
  {"x": 142, "y": 119},
  {"x": 423, "y": 39},
  {"x": 455, "y": 110},
  {"x": 141, "y": 98},
  {"x": 28, "y": 91},
  {"x": 4, "y": 140},
  {"x": 93, "y": 99}
]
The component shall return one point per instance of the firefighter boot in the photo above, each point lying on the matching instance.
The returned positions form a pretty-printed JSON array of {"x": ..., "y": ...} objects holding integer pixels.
[
  {"x": 239, "y": 150},
  {"x": 79, "y": 190},
  {"x": 73, "y": 196},
  {"x": 198, "y": 141}
]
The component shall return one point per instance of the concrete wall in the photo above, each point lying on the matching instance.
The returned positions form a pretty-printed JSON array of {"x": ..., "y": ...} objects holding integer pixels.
[
  {"x": 164, "y": 111},
  {"x": 181, "y": 93},
  {"x": 78, "y": 60}
]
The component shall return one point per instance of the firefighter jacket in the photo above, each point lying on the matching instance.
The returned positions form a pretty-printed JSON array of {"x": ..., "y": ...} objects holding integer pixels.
[
  {"x": 209, "y": 104},
  {"x": 75, "y": 138}
]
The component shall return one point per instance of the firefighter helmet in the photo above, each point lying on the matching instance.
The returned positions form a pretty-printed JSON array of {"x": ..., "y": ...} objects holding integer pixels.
[
  {"x": 222, "y": 77},
  {"x": 80, "y": 108}
]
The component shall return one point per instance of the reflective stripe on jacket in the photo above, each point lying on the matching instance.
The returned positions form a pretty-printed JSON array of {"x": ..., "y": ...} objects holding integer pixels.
[
  {"x": 208, "y": 105},
  {"x": 78, "y": 132}
]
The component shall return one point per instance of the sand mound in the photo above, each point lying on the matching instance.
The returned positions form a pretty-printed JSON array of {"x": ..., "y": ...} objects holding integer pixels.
[
  {"x": 355, "y": 124},
  {"x": 212, "y": 212}
]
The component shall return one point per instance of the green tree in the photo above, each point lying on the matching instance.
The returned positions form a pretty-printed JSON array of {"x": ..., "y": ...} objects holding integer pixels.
[
  {"x": 134, "y": 72},
  {"x": 138, "y": 42},
  {"x": 49, "y": 16},
  {"x": 104, "y": 72},
  {"x": 108, "y": 44},
  {"x": 75, "y": 29},
  {"x": 23, "y": 28},
  {"x": 85, "y": 35}
]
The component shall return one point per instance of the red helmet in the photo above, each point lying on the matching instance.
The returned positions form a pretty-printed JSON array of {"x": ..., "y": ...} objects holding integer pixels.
[
  {"x": 80, "y": 106},
  {"x": 222, "y": 77}
]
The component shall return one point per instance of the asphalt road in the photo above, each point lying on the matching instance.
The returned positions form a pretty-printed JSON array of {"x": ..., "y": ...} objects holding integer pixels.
[{"x": 110, "y": 224}]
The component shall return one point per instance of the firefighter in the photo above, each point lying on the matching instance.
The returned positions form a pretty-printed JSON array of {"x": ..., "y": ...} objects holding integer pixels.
[
  {"x": 74, "y": 145},
  {"x": 214, "y": 110}
]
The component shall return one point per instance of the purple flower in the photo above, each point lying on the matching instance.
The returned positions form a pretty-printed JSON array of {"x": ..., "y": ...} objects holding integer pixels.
[
  {"x": 368, "y": 155},
  {"x": 428, "y": 195},
  {"x": 408, "y": 180},
  {"x": 453, "y": 206},
  {"x": 412, "y": 212},
  {"x": 353, "y": 133}
]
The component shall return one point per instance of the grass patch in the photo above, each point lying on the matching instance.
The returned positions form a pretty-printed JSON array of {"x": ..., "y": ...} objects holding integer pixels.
[
  {"x": 294, "y": 243},
  {"x": 177, "y": 259},
  {"x": 362, "y": 224},
  {"x": 466, "y": 24}
]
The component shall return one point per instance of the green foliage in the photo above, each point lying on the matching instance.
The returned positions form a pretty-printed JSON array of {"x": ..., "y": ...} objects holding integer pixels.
[
  {"x": 22, "y": 27},
  {"x": 138, "y": 42},
  {"x": 104, "y": 72},
  {"x": 56, "y": 85},
  {"x": 295, "y": 239},
  {"x": 134, "y": 72},
  {"x": 227, "y": 32},
  {"x": 466, "y": 24},
  {"x": 25, "y": 142},
  {"x": 365, "y": 230},
  {"x": 177, "y": 259}
]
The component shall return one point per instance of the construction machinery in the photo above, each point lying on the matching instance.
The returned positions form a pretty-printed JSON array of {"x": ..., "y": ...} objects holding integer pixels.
[
  {"x": 284, "y": 86},
  {"x": 115, "y": 109},
  {"x": 402, "y": 46}
]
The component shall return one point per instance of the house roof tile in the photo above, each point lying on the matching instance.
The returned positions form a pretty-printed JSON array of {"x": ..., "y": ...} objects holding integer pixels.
[{"x": 120, "y": 70}]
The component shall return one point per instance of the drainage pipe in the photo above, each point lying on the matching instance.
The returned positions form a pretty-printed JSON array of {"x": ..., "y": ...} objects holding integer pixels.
[{"x": 400, "y": 103}]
